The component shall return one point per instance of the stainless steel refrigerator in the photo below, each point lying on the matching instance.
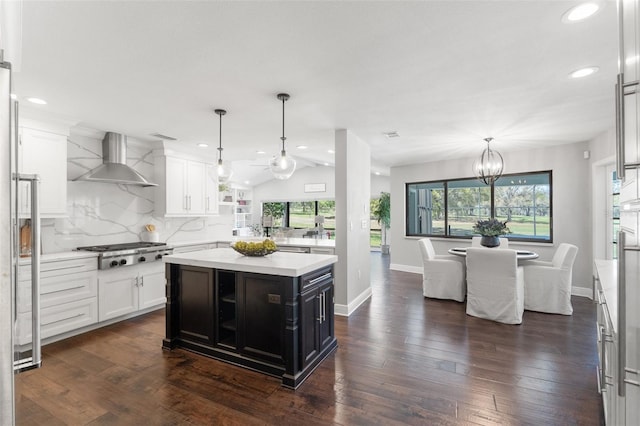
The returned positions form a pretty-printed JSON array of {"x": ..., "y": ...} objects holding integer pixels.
[
  {"x": 13, "y": 358},
  {"x": 628, "y": 168}
]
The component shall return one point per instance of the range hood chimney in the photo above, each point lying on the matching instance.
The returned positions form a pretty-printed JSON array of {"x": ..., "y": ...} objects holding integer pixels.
[{"x": 114, "y": 167}]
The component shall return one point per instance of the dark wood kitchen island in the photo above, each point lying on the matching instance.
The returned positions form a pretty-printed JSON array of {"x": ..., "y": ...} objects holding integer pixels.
[{"x": 273, "y": 314}]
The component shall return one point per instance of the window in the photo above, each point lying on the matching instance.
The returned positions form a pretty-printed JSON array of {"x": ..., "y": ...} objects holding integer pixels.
[
  {"x": 276, "y": 211},
  {"x": 425, "y": 208},
  {"x": 451, "y": 208},
  {"x": 301, "y": 214},
  {"x": 468, "y": 201}
]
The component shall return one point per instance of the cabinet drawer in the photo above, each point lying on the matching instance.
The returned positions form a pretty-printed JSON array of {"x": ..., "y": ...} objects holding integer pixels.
[
  {"x": 58, "y": 289},
  {"x": 316, "y": 278},
  {"x": 318, "y": 250},
  {"x": 59, "y": 267},
  {"x": 59, "y": 319}
]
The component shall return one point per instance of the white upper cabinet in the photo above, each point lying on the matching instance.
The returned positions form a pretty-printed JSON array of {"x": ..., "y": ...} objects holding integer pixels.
[
  {"x": 45, "y": 154},
  {"x": 185, "y": 187}
]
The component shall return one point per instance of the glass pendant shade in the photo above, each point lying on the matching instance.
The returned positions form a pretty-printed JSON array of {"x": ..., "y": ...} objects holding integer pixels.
[
  {"x": 283, "y": 166},
  {"x": 488, "y": 168},
  {"x": 224, "y": 170}
]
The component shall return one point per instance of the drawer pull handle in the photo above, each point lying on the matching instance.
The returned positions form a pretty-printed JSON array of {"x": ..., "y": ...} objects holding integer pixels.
[
  {"x": 63, "y": 319},
  {"x": 320, "y": 278}
]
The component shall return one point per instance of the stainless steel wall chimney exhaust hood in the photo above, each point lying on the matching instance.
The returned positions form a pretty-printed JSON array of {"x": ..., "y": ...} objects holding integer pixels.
[{"x": 114, "y": 167}]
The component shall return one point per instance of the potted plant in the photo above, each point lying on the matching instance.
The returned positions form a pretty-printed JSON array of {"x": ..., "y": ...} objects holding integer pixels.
[
  {"x": 490, "y": 230},
  {"x": 382, "y": 213}
]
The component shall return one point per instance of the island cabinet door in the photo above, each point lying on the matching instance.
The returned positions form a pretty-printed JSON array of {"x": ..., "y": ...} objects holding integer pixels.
[
  {"x": 316, "y": 315},
  {"x": 196, "y": 314},
  {"x": 261, "y": 316},
  {"x": 326, "y": 330},
  {"x": 309, "y": 330}
]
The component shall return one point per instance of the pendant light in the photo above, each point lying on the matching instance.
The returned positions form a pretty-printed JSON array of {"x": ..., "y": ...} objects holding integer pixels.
[
  {"x": 224, "y": 171},
  {"x": 282, "y": 167},
  {"x": 490, "y": 165}
]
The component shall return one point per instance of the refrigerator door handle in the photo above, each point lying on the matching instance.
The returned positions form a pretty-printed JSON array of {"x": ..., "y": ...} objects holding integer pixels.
[
  {"x": 36, "y": 356},
  {"x": 622, "y": 313}
]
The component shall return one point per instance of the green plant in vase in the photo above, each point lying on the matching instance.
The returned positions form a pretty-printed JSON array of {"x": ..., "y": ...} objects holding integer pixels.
[{"x": 490, "y": 230}]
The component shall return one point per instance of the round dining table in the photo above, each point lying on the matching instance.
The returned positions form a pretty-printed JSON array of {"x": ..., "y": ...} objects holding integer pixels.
[{"x": 520, "y": 254}]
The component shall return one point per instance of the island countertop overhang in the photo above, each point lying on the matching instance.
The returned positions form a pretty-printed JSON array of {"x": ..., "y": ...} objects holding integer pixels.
[{"x": 278, "y": 263}]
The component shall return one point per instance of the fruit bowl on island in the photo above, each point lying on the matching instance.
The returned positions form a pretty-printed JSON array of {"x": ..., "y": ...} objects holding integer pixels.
[{"x": 255, "y": 248}]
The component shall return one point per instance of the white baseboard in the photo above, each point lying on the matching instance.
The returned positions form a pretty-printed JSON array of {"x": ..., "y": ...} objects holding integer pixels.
[
  {"x": 406, "y": 268},
  {"x": 346, "y": 310},
  {"x": 582, "y": 292}
]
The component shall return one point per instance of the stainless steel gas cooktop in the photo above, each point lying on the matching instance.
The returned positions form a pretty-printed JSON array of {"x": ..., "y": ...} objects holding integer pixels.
[{"x": 116, "y": 255}]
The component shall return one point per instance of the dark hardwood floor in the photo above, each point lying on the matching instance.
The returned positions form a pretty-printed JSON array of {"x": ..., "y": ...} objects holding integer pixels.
[{"x": 401, "y": 359}]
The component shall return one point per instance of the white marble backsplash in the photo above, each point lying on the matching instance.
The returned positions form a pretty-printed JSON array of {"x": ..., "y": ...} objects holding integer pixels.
[{"x": 102, "y": 213}]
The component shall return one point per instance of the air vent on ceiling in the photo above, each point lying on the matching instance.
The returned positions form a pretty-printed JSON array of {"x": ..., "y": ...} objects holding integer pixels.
[
  {"x": 391, "y": 135},
  {"x": 165, "y": 137}
]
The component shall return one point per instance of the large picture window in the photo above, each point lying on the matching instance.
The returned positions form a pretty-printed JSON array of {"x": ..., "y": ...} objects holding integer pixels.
[{"x": 450, "y": 208}]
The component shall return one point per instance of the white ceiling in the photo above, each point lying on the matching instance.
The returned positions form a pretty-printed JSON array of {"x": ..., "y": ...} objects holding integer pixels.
[{"x": 443, "y": 74}]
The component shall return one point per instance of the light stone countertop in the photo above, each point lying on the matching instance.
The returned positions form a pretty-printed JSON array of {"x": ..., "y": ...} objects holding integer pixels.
[
  {"x": 54, "y": 257},
  {"x": 294, "y": 242},
  {"x": 278, "y": 263},
  {"x": 608, "y": 275}
]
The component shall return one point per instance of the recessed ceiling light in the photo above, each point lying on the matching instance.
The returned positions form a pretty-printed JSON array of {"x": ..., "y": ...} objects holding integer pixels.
[
  {"x": 260, "y": 152},
  {"x": 326, "y": 164},
  {"x": 331, "y": 151},
  {"x": 580, "y": 12},
  {"x": 37, "y": 101},
  {"x": 14, "y": 96},
  {"x": 203, "y": 145},
  {"x": 302, "y": 147},
  {"x": 247, "y": 182},
  {"x": 583, "y": 72},
  {"x": 377, "y": 173}
]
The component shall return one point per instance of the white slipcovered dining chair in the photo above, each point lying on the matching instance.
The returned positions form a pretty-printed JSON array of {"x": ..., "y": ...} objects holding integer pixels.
[
  {"x": 443, "y": 275},
  {"x": 495, "y": 285},
  {"x": 504, "y": 242},
  {"x": 547, "y": 285}
]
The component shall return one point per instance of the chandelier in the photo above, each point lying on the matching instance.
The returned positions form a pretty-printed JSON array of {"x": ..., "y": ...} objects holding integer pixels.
[
  {"x": 224, "y": 171},
  {"x": 282, "y": 167},
  {"x": 490, "y": 165}
]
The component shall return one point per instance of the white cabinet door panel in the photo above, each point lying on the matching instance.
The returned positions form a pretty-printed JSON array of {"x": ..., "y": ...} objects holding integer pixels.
[
  {"x": 176, "y": 186},
  {"x": 45, "y": 154},
  {"x": 117, "y": 293},
  {"x": 196, "y": 187},
  {"x": 152, "y": 285}
]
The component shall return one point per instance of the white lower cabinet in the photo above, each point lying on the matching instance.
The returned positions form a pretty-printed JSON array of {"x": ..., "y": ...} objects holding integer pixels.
[
  {"x": 68, "y": 297},
  {"x": 126, "y": 290}
]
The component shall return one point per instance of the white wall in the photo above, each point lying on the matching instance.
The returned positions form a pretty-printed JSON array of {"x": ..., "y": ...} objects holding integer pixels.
[
  {"x": 603, "y": 154},
  {"x": 292, "y": 189},
  {"x": 571, "y": 204},
  {"x": 352, "y": 272},
  {"x": 380, "y": 184}
]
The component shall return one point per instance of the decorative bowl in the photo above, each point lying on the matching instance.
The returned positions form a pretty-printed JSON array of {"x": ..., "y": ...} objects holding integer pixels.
[{"x": 255, "y": 248}]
